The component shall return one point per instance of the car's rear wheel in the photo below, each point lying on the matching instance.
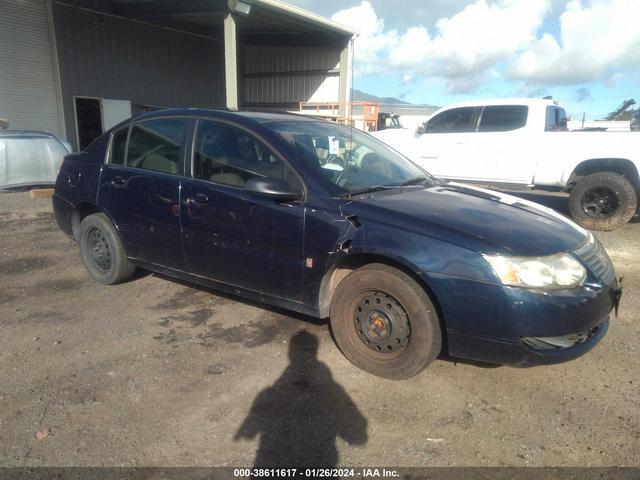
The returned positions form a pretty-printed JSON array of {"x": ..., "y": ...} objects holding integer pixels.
[
  {"x": 102, "y": 252},
  {"x": 385, "y": 323},
  {"x": 603, "y": 201}
]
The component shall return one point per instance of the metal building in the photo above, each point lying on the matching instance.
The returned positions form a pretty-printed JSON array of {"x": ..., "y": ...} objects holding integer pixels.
[{"x": 77, "y": 67}]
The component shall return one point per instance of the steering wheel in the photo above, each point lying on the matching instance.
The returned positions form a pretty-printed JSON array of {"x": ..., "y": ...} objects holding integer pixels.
[{"x": 344, "y": 177}]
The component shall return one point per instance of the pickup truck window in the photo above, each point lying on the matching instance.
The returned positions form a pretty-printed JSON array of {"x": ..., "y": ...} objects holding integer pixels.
[
  {"x": 502, "y": 118},
  {"x": 556, "y": 120},
  {"x": 455, "y": 120}
]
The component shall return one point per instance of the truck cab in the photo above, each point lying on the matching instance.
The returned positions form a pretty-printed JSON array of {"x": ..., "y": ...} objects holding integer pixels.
[{"x": 525, "y": 142}]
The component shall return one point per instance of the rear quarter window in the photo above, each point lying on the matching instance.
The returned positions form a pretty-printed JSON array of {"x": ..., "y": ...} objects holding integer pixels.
[
  {"x": 118, "y": 147},
  {"x": 556, "y": 120}
]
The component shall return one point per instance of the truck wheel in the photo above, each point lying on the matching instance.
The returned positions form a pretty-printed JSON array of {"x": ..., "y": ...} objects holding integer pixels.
[
  {"x": 603, "y": 201},
  {"x": 102, "y": 252},
  {"x": 385, "y": 323}
]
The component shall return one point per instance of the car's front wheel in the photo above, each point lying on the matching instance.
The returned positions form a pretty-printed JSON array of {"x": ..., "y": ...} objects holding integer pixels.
[
  {"x": 102, "y": 252},
  {"x": 385, "y": 323},
  {"x": 603, "y": 201}
]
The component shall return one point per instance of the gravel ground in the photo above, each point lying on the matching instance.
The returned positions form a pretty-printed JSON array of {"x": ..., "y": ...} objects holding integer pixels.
[{"x": 158, "y": 373}]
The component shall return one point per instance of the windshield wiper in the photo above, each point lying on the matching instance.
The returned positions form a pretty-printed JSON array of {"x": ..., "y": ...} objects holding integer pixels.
[
  {"x": 375, "y": 188},
  {"x": 414, "y": 181}
]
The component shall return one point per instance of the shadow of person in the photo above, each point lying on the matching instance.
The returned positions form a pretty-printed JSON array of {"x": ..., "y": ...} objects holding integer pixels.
[{"x": 302, "y": 414}]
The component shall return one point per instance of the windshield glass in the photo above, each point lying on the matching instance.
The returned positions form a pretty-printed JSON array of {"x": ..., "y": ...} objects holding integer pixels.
[{"x": 349, "y": 159}]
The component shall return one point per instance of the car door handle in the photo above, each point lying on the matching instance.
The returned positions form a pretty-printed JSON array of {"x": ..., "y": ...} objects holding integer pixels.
[
  {"x": 198, "y": 200},
  {"x": 118, "y": 181}
]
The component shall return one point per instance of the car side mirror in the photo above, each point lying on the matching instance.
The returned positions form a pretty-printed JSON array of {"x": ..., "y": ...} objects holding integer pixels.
[
  {"x": 422, "y": 128},
  {"x": 272, "y": 188}
]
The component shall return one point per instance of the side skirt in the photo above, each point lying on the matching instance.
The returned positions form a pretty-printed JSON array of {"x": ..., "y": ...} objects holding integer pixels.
[{"x": 229, "y": 288}]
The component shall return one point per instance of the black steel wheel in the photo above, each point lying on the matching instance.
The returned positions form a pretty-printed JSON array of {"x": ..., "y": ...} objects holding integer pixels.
[
  {"x": 603, "y": 201},
  {"x": 600, "y": 202},
  {"x": 102, "y": 252},
  {"x": 99, "y": 249},
  {"x": 384, "y": 322}
]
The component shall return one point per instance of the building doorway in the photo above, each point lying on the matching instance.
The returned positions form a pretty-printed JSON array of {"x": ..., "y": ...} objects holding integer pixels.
[
  {"x": 88, "y": 120},
  {"x": 96, "y": 115}
]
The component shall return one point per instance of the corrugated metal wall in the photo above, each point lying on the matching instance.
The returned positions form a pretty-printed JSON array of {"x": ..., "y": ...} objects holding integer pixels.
[
  {"x": 27, "y": 77},
  {"x": 281, "y": 77},
  {"x": 109, "y": 57}
]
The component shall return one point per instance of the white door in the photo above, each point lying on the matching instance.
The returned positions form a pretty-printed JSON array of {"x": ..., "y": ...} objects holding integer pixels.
[
  {"x": 500, "y": 151},
  {"x": 442, "y": 154},
  {"x": 443, "y": 149},
  {"x": 114, "y": 112}
]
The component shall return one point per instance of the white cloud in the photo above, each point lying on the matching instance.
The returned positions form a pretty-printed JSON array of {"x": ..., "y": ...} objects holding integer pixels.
[
  {"x": 489, "y": 40},
  {"x": 595, "y": 37},
  {"x": 461, "y": 49},
  {"x": 373, "y": 43}
]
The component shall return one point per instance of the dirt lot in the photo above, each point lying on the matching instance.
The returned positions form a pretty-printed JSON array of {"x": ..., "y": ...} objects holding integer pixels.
[{"x": 154, "y": 372}]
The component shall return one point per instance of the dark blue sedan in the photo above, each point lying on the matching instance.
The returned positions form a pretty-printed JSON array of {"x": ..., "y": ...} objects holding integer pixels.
[{"x": 323, "y": 219}]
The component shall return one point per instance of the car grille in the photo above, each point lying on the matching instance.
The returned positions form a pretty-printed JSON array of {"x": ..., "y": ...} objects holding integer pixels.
[
  {"x": 595, "y": 258},
  {"x": 564, "y": 341}
]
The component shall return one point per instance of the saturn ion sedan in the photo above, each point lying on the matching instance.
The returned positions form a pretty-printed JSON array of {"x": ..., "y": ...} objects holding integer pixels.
[{"x": 325, "y": 220}]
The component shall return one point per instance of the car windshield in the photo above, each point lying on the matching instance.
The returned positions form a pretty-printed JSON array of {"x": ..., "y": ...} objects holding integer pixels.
[{"x": 352, "y": 161}]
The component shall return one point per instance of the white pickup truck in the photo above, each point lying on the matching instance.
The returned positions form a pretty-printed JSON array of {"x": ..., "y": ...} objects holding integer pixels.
[{"x": 525, "y": 143}]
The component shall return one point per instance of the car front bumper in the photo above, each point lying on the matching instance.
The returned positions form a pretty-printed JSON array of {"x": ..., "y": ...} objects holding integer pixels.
[
  {"x": 520, "y": 327},
  {"x": 520, "y": 354}
]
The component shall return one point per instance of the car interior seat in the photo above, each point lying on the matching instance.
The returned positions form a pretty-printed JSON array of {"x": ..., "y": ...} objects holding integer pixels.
[{"x": 159, "y": 163}]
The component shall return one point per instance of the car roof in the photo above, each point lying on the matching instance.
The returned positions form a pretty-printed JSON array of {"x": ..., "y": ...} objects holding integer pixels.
[
  {"x": 247, "y": 115},
  {"x": 504, "y": 101}
]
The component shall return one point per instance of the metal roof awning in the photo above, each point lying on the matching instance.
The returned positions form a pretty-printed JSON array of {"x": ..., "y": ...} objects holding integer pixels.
[
  {"x": 283, "y": 7},
  {"x": 266, "y": 21}
]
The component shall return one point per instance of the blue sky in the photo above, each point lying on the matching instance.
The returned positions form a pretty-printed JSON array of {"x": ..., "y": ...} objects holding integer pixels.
[{"x": 585, "y": 53}]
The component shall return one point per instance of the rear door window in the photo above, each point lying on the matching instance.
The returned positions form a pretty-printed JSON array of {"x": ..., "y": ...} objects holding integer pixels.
[
  {"x": 455, "y": 120},
  {"x": 502, "y": 118},
  {"x": 157, "y": 145}
]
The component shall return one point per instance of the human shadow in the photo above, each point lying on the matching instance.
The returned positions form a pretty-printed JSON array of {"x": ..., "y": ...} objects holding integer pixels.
[{"x": 302, "y": 414}]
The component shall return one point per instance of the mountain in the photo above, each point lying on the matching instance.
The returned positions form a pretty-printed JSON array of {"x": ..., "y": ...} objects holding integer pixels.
[
  {"x": 359, "y": 96},
  {"x": 392, "y": 104}
]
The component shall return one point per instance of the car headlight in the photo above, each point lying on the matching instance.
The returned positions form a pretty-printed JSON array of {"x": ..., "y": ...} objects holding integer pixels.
[{"x": 553, "y": 272}]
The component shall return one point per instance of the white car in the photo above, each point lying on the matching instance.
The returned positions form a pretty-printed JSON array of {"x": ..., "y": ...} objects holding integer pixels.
[{"x": 525, "y": 142}]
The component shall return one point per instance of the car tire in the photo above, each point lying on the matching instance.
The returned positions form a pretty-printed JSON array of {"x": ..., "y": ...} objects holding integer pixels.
[
  {"x": 102, "y": 252},
  {"x": 385, "y": 323},
  {"x": 603, "y": 201}
]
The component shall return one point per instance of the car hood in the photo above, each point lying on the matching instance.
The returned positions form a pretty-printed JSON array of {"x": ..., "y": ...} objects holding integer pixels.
[
  {"x": 475, "y": 218},
  {"x": 29, "y": 161}
]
